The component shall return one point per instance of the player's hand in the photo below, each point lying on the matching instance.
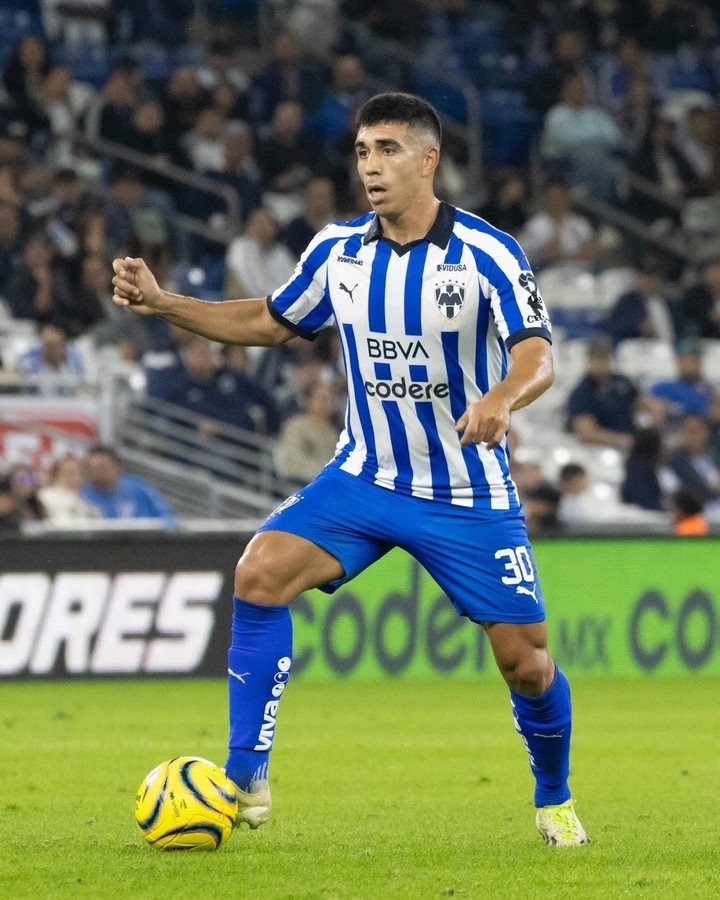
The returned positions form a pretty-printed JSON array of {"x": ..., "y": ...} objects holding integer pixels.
[
  {"x": 134, "y": 285},
  {"x": 484, "y": 422}
]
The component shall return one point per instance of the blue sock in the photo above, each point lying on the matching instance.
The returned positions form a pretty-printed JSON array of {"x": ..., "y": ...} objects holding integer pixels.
[
  {"x": 545, "y": 723},
  {"x": 259, "y": 662}
]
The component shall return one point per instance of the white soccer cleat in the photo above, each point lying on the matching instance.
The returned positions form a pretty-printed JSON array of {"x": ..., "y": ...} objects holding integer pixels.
[
  {"x": 560, "y": 826},
  {"x": 254, "y": 806}
]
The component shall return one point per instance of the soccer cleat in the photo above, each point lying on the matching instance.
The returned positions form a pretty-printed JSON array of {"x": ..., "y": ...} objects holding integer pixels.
[
  {"x": 254, "y": 807},
  {"x": 560, "y": 826}
]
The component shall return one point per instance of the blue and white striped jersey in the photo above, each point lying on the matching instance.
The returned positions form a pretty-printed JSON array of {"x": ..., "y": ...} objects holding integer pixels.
[{"x": 425, "y": 329}]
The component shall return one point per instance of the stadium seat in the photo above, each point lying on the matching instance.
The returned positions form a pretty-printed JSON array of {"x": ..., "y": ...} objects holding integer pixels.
[
  {"x": 646, "y": 360},
  {"x": 711, "y": 360},
  {"x": 569, "y": 292},
  {"x": 611, "y": 284}
]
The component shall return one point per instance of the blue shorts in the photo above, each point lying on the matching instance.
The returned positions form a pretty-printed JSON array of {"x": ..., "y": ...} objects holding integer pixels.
[{"x": 480, "y": 558}]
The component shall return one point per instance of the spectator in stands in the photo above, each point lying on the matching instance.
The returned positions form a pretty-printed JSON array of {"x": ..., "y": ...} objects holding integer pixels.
[
  {"x": 24, "y": 77},
  {"x": 307, "y": 441},
  {"x": 61, "y": 497},
  {"x": 318, "y": 209},
  {"x": 644, "y": 311},
  {"x": 648, "y": 479},
  {"x": 24, "y": 485},
  {"x": 148, "y": 133},
  {"x": 10, "y": 243},
  {"x": 688, "y": 515},
  {"x": 204, "y": 143},
  {"x": 506, "y": 205},
  {"x": 700, "y": 306},
  {"x": 10, "y": 520},
  {"x": 204, "y": 385},
  {"x": 57, "y": 365},
  {"x": 38, "y": 290},
  {"x": 688, "y": 392},
  {"x": 601, "y": 408},
  {"x": 637, "y": 115},
  {"x": 134, "y": 214},
  {"x": 568, "y": 55},
  {"x": 661, "y": 160},
  {"x": 183, "y": 99},
  {"x": 542, "y": 509},
  {"x": 288, "y": 77},
  {"x": 256, "y": 263},
  {"x": 113, "y": 112},
  {"x": 221, "y": 68},
  {"x": 555, "y": 235},
  {"x": 665, "y": 24},
  {"x": 119, "y": 496},
  {"x": 68, "y": 206},
  {"x": 66, "y": 102},
  {"x": 240, "y": 169},
  {"x": 333, "y": 121},
  {"x": 585, "y": 138},
  {"x": 695, "y": 462},
  {"x": 627, "y": 64},
  {"x": 128, "y": 334},
  {"x": 576, "y": 501},
  {"x": 288, "y": 159},
  {"x": 698, "y": 135}
]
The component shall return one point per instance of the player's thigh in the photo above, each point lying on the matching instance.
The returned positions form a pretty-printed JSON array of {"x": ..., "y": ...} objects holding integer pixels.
[
  {"x": 321, "y": 536},
  {"x": 483, "y": 562},
  {"x": 277, "y": 566}
]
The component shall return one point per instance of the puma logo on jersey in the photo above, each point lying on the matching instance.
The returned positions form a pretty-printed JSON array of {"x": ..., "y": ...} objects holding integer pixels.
[{"x": 348, "y": 291}]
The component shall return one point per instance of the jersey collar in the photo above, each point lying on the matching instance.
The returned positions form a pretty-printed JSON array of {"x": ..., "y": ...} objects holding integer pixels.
[{"x": 439, "y": 233}]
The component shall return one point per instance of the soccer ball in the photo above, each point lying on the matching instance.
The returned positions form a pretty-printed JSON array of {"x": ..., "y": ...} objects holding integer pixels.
[{"x": 186, "y": 803}]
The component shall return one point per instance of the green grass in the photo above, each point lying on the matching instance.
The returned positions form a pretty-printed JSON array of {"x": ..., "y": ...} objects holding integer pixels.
[{"x": 382, "y": 790}]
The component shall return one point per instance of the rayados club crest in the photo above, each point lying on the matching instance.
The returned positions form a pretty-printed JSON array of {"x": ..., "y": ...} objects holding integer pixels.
[{"x": 450, "y": 299}]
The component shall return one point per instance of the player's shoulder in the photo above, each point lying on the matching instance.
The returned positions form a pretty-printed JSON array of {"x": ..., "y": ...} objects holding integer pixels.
[
  {"x": 340, "y": 231},
  {"x": 478, "y": 232}
]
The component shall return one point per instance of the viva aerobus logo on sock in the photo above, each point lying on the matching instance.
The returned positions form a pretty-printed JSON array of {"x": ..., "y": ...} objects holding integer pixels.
[{"x": 267, "y": 729}]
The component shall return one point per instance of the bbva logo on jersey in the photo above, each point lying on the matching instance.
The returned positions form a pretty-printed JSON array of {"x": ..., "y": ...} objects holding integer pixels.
[{"x": 450, "y": 299}]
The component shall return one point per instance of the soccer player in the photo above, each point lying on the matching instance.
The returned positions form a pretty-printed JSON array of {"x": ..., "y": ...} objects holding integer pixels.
[{"x": 429, "y": 301}]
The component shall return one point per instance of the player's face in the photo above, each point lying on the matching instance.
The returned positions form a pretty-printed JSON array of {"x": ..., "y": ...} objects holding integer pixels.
[{"x": 395, "y": 166}]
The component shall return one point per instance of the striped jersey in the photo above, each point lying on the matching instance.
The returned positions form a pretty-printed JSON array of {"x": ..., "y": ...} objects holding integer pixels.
[{"x": 425, "y": 329}]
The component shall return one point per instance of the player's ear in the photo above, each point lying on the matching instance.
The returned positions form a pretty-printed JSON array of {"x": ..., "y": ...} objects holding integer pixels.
[{"x": 432, "y": 158}]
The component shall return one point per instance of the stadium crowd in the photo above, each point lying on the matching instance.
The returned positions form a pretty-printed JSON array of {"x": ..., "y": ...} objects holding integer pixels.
[{"x": 573, "y": 95}]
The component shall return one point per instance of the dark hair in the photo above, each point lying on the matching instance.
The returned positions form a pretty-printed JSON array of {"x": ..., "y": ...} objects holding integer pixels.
[
  {"x": 397, "y": 107},
  {"x": 647, "y": 443},
  {"x": 105, "y": 451},
  {"x": 571, "y": 470},
  {"x": 687, "y": 503}
]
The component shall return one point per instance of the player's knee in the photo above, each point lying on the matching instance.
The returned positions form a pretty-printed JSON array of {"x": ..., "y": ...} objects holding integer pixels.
[
  {"x": 529, "y": 671},
  {"x": 257, "y": 582}
]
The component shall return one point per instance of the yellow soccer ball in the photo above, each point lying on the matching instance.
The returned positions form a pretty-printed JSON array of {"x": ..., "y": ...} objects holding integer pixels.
[{"x": 187, "y": 803}]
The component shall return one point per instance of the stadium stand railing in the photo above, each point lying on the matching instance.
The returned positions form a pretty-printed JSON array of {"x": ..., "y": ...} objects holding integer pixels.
[
  {"x": 230, "y": 473},
  {"x": 179, "y": 175}
]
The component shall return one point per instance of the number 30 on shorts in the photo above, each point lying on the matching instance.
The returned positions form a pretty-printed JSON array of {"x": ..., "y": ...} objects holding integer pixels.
[{"x": 518, "y": 564}]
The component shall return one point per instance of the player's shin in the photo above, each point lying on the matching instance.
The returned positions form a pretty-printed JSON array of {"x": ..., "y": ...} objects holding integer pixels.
[
  {"x": 545, "y": 723},
  {"x": 259, "y": 662}
]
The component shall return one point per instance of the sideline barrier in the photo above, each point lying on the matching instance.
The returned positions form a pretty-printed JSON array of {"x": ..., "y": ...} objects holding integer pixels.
[{"x": 158, "y": 604}]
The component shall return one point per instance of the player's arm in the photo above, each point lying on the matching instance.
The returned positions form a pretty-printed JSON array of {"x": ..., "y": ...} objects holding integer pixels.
[
  {"x": 488, "y": 419},
  {"x": 246, "y": 322}
]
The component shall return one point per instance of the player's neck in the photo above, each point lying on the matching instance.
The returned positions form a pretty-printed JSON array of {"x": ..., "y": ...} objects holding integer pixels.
[{"x": 411, "y": 224}]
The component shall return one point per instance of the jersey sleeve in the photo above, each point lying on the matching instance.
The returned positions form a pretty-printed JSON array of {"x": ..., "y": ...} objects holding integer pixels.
[
  {"x": 302, "y": 304},
  {"x": 517, "y": 307}
]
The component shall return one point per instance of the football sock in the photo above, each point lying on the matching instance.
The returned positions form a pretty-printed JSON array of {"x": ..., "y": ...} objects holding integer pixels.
[
  {"x": 545, "y": 724},
  {"x": 259, "y": 662}
]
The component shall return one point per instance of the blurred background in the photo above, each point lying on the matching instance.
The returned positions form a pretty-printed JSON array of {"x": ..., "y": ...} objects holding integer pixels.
[{"x": 214, "y": 138}]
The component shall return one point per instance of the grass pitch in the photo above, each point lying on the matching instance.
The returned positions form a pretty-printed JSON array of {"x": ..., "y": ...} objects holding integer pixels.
[{"x": 384, "y": 790}]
